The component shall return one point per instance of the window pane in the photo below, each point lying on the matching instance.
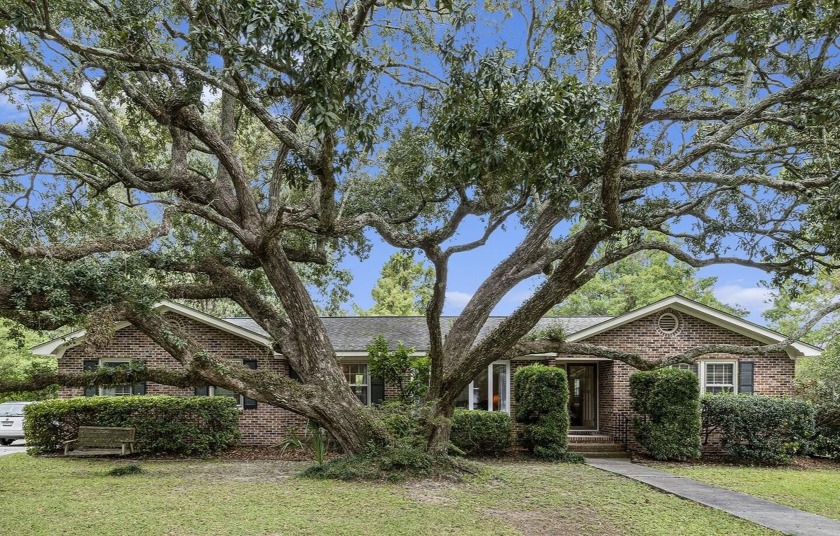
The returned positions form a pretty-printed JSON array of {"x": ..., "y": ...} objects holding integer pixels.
[
  {"x": 720, "y": 378},
  {"x": 221, "y": 391},
  {"x": 116, "y": 390},
  {"x": 480, "y": 393},
  {"x": 500, "y": 402},
  {"x": 682, "y": 366},
  {"x": 356, "y": 375}
]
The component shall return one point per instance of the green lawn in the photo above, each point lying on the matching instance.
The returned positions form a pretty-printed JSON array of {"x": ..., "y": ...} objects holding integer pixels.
[
  {"x": 60, "y": 496},
  {"x": 812, "y": 490}
]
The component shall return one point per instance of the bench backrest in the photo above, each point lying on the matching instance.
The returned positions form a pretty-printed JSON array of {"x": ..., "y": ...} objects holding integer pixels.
[{"x": 104, "y": 436}]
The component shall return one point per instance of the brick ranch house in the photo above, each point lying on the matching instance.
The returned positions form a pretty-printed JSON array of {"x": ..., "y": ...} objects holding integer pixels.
[{"x": 599, "y": 403}]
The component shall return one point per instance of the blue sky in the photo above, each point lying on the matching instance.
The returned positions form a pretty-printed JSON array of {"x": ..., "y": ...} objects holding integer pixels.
[{"x": 736, "y": 285}]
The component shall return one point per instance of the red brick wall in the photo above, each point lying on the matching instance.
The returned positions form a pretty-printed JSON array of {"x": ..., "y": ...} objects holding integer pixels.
[
  {"x": 264, "y": 425},
  {"x": 773, "y": 375}
]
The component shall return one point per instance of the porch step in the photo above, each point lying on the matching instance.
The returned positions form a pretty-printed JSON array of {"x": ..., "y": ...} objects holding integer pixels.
[
  {"x": 589, "y": 438},
  {"x": 621, "y": 454},
  {"x": 595, "y": 447}
]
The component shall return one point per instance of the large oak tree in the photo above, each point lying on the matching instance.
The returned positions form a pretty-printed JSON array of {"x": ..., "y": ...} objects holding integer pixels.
[{"x": 206, "y": 149}]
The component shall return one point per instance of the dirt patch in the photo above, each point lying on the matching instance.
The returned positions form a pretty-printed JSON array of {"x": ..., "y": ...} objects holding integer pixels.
[
  {"x": 429, "y": 491},
  {"x": 561, "y": 522}
]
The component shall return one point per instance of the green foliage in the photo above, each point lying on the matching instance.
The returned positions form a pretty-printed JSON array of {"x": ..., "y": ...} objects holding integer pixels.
[
  {"x": 481, "y": 433},
  {"x": 668, "y": 401},
  {"x": 123, "y": 470},
  {"x": 393, "y": 464},
  {"x": 408, "y": 373},
  {"x": 542, "y": 407},
  {"x": 639, "y": 280},
  {"x": 18, "y": 364},
  {"x": 759, "y": 428},
  {"x": 404, "y": 287},
  {"x": 194, "y": 426}
]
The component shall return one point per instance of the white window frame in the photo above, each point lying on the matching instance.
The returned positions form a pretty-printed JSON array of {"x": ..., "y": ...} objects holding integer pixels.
[
  {"x": 240, "y": 400},
  {"x": 471, "y": 388},
  {"x": 367, "y": 378},
  {"x": 100, "y": 389},
  {"x": 702, "y": 370}
]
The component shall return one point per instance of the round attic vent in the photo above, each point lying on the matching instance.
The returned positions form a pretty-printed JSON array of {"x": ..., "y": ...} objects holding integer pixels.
[{"x": 668, "y": 323}]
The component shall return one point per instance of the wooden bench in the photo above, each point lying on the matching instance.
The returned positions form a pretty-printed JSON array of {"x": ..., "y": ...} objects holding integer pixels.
[{"x": 101, "y": 441}]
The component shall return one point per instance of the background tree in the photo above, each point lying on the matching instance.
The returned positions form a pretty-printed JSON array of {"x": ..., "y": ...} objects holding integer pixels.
[
  {"x": 404, "y": 287},
  {"x": 398, "y": 367},
  {"x": 640, "y": 280},
  {"x": 249, "y": 145},
  {"x": 17, "y": 364}
]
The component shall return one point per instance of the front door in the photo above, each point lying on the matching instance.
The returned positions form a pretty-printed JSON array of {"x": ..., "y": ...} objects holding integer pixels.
[{"x": 583, "y": 397}]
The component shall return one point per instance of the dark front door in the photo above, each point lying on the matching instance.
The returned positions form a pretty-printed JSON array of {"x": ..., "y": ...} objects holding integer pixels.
[{"x": 583, "y": 397}]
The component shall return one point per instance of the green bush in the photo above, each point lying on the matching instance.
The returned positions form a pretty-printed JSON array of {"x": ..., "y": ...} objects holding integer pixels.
[
  {"x": 668, "y": 404},
  {"x": 165, "y": 424},
  {"x": 758, "y": 428},
  {"x": 481, "y": 433},
  {"x": 826, "y": 442},
  {"x": 542, "y": 407}
]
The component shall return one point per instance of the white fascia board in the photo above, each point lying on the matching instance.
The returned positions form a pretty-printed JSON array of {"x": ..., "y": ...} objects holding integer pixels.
[
  {"x": 703, "y": 312},
  {"x": 57, "y": 347}
]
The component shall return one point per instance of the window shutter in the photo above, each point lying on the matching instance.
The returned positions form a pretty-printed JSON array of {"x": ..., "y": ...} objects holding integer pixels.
[
  {"x": 695, "y": 368},
  {"x": 293, "y": 373},
  {"x": 377, "y": 390},
  {"x": 138, "y": 388},
  {"x": 249, "y": 403},
  {"x": 202, "y": 391},
  {"x": 90, "y": 365},
  {"x": 746, "y": 371}
]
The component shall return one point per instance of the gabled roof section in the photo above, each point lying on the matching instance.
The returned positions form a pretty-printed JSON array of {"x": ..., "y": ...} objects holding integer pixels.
[
  {"x": 703, "y": 312},
  {"x": 354, "y": 333},
  {"x": 58, "y": 346}
]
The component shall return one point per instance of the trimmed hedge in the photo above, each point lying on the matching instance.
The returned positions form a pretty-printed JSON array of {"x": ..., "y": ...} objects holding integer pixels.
[
  {"x": 668, "y": 401},
  {"x": 196, "y": 426},
  {"x": 759, "y": 428},
  {"x": 542, "y": 407},
  {"x": 481, "y": 433}
]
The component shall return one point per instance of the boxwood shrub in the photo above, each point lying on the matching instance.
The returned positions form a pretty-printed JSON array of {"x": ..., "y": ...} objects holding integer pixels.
[
  {"x": 826, "y": 442},
  {"x": 668, "y": 404},
  {"x": 759, "y": 428},
  {"x": 196, "y": 426},
  {"x": 542, "y": 407},
  {"x": 481, "y": 433}
]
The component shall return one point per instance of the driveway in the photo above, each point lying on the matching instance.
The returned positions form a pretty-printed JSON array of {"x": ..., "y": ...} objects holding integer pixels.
[{"x": 17, "y": 446}]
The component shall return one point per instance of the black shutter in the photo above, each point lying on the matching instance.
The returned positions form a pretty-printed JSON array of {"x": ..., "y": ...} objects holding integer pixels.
[
  {"x": 293, "y": 373},
  {"x": 746, "y": 371},
  {"x": 249, "y": 403},
  {"x": 202, "y": 391},
  {"x": 377, "y": 390},
  {"x": 138, "y": 388},
  {"x": 90, "y": 365}
]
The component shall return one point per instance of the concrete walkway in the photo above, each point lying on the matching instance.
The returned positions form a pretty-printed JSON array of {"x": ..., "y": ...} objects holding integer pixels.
[
  {"x": 765, "y": 513},
  {"x": 17, "y": 446}
]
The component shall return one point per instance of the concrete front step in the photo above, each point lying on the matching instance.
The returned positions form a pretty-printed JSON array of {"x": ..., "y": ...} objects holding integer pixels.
[
  {"x": 589, "y": 438},
  {"x": 595, "y": 447},
  {"x": 604, "y": 454}
]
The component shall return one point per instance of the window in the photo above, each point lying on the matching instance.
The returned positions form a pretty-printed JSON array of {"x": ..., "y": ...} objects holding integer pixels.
[
  {"x": 682, "y": 366},
  {"x": 718, "y": 377},
  {"x": 124, "y": 389},
  {"x": 489, "y": 390},
  {"x": 359, "y": 379},
  {"x": 241, "y": 401}
]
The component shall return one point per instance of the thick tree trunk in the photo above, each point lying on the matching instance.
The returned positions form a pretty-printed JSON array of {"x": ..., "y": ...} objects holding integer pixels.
[{"x": 438, "y": 427}]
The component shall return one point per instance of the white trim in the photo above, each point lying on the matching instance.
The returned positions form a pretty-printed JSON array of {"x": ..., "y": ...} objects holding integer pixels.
[
  {"x": 58, "y": 346},
  {"x": 703, "y": 312},
  {"x": 701, "y": 369}
]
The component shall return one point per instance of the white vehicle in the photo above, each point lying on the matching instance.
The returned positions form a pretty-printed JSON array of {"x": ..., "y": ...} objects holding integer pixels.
[{"x": 11, "y": 421}]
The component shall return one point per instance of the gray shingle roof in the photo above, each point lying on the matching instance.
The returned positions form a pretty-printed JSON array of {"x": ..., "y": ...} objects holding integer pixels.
[{"x": 354, "y": 333}]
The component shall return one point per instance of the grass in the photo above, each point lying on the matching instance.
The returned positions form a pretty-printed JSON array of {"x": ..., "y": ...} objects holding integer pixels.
[
  {"x": 813, "y": 490},
  {"x": 60, "y": 496}
]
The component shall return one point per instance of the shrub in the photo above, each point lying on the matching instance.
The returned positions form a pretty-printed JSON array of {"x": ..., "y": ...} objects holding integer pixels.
[
  {"x": 165, "y": 424},
  {"x": 668, "y": 401},
  {"x": 124, "y": 470},
  {"x": 481, "y": 433},
  {"x": 826, "y": 442},
  {"x": 542, "y": 407},
  {"x": 758, "y": 428}
]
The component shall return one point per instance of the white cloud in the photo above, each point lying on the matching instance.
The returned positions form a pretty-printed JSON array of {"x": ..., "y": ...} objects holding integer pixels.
[
  {"x": 456, "y": 301},
  {"x": 756, "y": 300}
]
